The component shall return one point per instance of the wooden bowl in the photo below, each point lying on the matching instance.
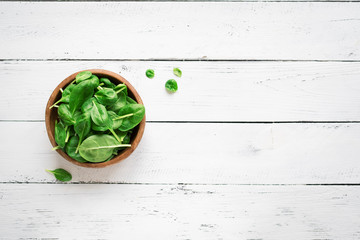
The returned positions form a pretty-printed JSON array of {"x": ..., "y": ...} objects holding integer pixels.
[{"x": 51, "y": 115}]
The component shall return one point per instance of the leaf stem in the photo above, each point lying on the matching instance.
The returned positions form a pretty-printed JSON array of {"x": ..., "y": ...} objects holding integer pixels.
[
  {"x": 115, "y": 135},
  {"x": 111, "y": 146},
  {"x": 122, "y": 88},
  {"x": 101, "y": 84},
  {"x": 99, "y": 88},
  {"x": 55, "y": 148},
  {"x": 54, "y": 105},
  {"x": 67, "y": 135},
  {"x": 61, "y": 90},
  {"x": 123, "y": 116},
  {"x": 77, "y": 148}
]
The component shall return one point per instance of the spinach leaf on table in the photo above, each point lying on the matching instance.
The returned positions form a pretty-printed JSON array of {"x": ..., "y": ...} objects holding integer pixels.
[
  {"x": 150, "y": 73},
  {"x": 171, "y": 85},
  {"x": 177, "y": 72},
  {"x": 99, "y": 148},
  {"x": 61, "y": 174}
]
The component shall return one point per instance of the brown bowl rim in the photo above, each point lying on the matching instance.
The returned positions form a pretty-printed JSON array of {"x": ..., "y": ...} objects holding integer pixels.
[{"x": 125, "y": 153}]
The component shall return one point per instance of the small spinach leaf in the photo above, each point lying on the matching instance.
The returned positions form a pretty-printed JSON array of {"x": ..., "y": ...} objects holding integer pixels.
[
  {"x": 171, "y": 85},
  {"x": 150, "y": 73},
  {"x": 177, "y": 72},
  {"x": 61, "y": 174}
]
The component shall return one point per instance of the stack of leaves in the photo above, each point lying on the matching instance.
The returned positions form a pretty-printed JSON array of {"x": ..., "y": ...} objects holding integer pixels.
[{"x": 96, "y": 118}]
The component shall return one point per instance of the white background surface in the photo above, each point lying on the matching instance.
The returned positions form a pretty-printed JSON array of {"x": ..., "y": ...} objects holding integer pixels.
[{"x": 260, "y": 142}]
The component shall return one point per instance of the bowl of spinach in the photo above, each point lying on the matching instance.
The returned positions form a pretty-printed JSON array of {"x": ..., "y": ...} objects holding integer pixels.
[{"x": 95, "y": 118}]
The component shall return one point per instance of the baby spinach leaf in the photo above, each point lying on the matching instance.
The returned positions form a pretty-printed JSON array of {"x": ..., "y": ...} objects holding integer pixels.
[
  {"x": 177, "y": 72},
  {"x": 99, "y": 114},
  {"x": 81, "y": 76},
  {"x": 150, "y": 73},
  {"x": 99, "y": 148},
  {"x": 60, "y": 134},
  {"x": 107, "y": 83},
  {"x": 171, "y": 85},
  {"x": 106, "y": 96},
  {"x": 98, "y": 128},
  {"x": 65, "y": 114},
  {"x": 132, "y": 115},
  {"x": 65, "y": 97},
  {"x": 121, "y": 88},
  {"x": 129, "y": 100},
  {"x": 70, "y": 149},
  {"x": 115, "y": 123},
  {"x": 87, "y": 105},
  {"x": 94, "y": 80},
  {"x": 82, "y": 127},
  {"x": 82, "y": 92},
  {"x": 61, "y": 174},
  {"x": 120, "y": 102}
]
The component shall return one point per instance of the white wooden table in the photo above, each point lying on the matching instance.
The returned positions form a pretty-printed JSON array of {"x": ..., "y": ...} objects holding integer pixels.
[{"x": 262, "y": 140}]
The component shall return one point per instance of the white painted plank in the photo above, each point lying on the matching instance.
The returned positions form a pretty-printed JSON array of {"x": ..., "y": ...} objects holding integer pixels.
[
  {"x": 200, "y": 153},
  {"x": 178, "y": 212},
  {"x": 208, "y": 91},
  {"x": 132, "y": 30}
]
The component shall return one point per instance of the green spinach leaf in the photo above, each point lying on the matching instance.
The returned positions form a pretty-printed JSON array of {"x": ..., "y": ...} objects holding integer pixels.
[
  {"x": 107, "y": 83},
  {"x": 120, "y": 102},
  {"x": 65, "y": 114},
  {"x": 99, "y": 148},
  {"x": 70, "y": 149},
  {"x": 60, "y": 134},
  {"x": 82, "y": 127},
  {"x": 82, "y": 76},
  {"x": 129, "y": 100},
  {"x": 82, "y": 92},
  {"x": 106, "y": 96},
  {"x": 177, "y": 72},
  {"x": 150, "y": 73},
  {"x": 171, "y": 85},
  {"x": 132, "y": 115}
]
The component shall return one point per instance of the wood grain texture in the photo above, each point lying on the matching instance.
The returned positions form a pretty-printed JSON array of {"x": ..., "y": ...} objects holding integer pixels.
[
  {"x": 178, "y": 212},
  {"x": 208, "y": 91},
  {"x": 132, "y": 30},
  {"x": 199, "y": 153}
]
